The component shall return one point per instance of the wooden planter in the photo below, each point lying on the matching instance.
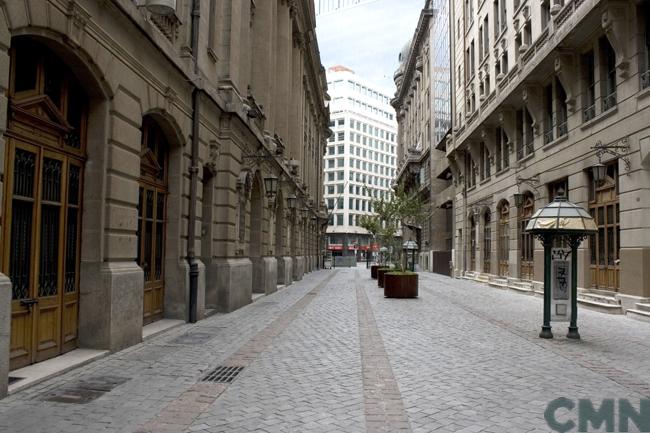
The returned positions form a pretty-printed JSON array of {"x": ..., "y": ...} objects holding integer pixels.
[
  {"x": 373, "y": 271},
  {"x": 400, "y": 285},
  {"x": 380, "y": 275}
]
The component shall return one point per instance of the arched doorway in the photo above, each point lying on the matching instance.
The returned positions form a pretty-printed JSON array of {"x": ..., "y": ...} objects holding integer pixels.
[
  {"x": 472, "y": 242},
  {"x": 487, "y": 241},
  {"x": 604, "y": 246},
  {"x": 526, "y": 240},
  {"x": 152, "y": 208},
  {"x": 503, "y": 249},
  {"x": 255, "y": 241},
  {"x": 45, "y": 155}
]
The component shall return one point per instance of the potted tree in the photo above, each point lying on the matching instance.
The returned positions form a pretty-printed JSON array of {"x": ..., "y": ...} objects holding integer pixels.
[{"x": 390, "y": 216}]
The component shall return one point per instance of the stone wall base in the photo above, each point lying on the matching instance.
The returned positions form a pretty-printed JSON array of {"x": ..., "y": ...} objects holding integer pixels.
[
  {"x": 177, "y": 290},
  {"x": 110, "y": 305},
  {"x": 265, "y": 274},
  {"x": 298, "y": 268},
  {"x": 285, "y": 270},
  {"x": 233, "y": 281},
  {"x": 5, "y": 323}
]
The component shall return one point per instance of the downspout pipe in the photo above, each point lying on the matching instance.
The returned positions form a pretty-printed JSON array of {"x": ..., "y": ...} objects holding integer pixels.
[{"x": 194, "y": 168}]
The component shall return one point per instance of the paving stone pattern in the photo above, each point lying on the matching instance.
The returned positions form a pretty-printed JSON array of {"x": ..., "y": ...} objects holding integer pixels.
[{"x": 330, "y": 353}]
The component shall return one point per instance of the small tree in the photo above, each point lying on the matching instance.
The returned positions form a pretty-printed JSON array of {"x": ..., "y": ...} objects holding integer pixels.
[{"x": 391, "y": 215}]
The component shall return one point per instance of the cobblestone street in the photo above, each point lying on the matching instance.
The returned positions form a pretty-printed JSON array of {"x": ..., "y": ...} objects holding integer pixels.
[{"x": 330, "y": 353}]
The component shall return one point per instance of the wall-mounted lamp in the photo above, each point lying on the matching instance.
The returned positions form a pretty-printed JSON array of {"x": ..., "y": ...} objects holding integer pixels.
[
  {"x": 291, "y": 201},
  {"x": 620, "y": 150}
]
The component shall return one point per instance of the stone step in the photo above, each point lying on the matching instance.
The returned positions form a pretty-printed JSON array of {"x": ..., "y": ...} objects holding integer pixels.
[
  {"x": 595, "y": 297},
  {"x": 484, "y": 278},
  {"x": 642, "y": 306},
  {"x": 501, "y": 283},
  {"x": 603, "y": 307},
  {"x": 641, "y": 315}
]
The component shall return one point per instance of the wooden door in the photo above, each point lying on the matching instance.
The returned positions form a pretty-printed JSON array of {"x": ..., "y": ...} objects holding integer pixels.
[
  {"x": 504, "y": 239},
  {"x": 472, "y": 245},
  {"x": 487, "y": 242},
  {"x": 526, "y": 240},
  {"x": 605, "y": 244},
  {"x": 151, "y": 219},
  {"x": 43, "y": 248}
]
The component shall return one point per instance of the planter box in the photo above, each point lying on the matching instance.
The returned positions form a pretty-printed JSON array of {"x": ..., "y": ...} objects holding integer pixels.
[
  {"x": 373, "y": 271},
  {"x": 400, "y": 285},
  {"x": 380, "y": 275}
]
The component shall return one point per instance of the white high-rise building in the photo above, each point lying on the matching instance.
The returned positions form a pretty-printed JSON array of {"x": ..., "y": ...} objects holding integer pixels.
[{"x": 361, "y": 156}]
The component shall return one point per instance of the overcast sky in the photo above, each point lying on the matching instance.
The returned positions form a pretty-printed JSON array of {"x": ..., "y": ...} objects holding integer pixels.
[{"x": 368, "y": 38}]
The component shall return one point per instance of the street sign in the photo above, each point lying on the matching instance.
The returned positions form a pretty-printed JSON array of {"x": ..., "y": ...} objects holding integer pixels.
[{"x": 560, "y": 284}]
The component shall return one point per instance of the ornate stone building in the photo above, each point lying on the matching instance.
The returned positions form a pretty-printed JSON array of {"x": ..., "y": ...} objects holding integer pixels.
[
  {"x": 550, "y": 96},
  {"x": 422, "y": 104},
  {"x": 153, "y": 165}
]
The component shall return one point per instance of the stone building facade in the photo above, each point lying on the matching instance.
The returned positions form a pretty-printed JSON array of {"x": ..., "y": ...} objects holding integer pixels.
[
  {"x": 422, "y": 104},
  {"x": 144, "y": 154},
  {"x": 543, "y": 92}
]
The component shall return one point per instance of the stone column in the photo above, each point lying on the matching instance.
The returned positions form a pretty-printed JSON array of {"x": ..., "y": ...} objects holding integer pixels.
[
  {"x": 282, "y": 71},
  {"x": 263, "y": 68}
]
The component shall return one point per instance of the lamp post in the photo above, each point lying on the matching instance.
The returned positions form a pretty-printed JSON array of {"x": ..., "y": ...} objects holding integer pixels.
[{"x": 561, "y": 218}]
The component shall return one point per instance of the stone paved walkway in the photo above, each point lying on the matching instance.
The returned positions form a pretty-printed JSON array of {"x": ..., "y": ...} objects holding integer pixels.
[{"x": 330, "y": 353}]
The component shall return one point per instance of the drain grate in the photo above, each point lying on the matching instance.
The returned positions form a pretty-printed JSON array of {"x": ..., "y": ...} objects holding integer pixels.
[
  {"x": 222, "y": 374},
  {"x": 84, "y": 390},
  {"x": 14, "y": 379}
]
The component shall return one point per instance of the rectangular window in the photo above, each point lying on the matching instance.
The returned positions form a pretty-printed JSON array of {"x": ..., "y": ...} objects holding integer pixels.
[
  {"x": 340, "y": 136},
  {"x": 339, "y": 188},
  {"x": 339, "y": 219},
  {"x": 548, "y": 113},
  {"x": 645, "y": 67},
  {"x": 562, "y": 113},
  {"x": 330, "y": 189},
  {"x": 589, "y": 77},
  {"x": 330, "y": 163},
  {"x": 340, "y": 162},
  {"x": 608, "y": 73}
]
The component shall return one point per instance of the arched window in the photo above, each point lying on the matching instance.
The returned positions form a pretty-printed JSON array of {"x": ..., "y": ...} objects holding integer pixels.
[
  {"x": 487, "y": 241},
  {"x": 154, "y": 155},
  {"x": 504, "y": 238},
  {"x": 45, "y": 154},
  {"x": 526, "y": 240}
]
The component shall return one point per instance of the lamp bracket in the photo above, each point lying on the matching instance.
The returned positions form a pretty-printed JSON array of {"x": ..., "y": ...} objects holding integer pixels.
[
  {"x": 620, "y": 149},
  {"x": 532, "y": 182}
]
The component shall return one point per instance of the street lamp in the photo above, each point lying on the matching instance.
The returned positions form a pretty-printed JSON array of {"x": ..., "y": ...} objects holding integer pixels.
[
  {"x": 560, "y": 218},
  {"x": 305, "y": 212},
  {"x": 410, "y": 247},
  {"x": 599, "y": 172},
  {"x": 291, "y": 201},
  {"x": 519, "y": 199}
]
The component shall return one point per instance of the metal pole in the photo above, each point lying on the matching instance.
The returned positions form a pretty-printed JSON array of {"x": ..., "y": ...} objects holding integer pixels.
[
  {"x": 573, "y": 327},
  {"x": 194, "y": 169},
  {"x": 546, "y": 327}
]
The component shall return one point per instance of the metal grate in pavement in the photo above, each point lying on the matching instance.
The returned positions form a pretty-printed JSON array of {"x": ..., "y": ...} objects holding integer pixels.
[
  {"x": 222, "y": 374},
  {"x": 84, "y": 390}
]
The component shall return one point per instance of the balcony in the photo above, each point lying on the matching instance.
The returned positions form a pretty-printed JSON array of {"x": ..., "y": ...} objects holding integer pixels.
[
  {"x": 548, "y": 134},
  {"x": 609, "y": 101},
  {"x": 589, "y": 113}
]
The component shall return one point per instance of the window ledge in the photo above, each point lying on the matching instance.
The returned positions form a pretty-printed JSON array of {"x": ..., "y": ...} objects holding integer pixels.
[
  {"x": 598, "y": 118},
  {"x": 502, "y": 171},
  {"x": 555, "y": 142},
  {"x": 484, "y": 181},
  {"x": 643, "y": 93},
  {"x": 471, "y": 188},
  {"x": 526, "y": 158}
]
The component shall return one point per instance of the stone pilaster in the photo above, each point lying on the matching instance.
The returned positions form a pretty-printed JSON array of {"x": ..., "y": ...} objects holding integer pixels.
[{"x": 5, "y": 322}]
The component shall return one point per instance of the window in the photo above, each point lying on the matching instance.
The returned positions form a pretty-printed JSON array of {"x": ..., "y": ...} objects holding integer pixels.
[
  {"x": 487, "y": 241},
  {"x": 340, "y": 175},
  {"x": 501, "y": 148},
  {"x": 645, "y": 55},
  {"x": 330, "y": 176},
  {"x": 339, "y": 188},
  {"x": 608, "y": 74},
  {"x": 330, "y": 163},
  {"x": 548, "y": 113},
  {"x": 486, "y": 37},
  {"x": 503, "y": 248},
  {"x": 330, "y": 150},
  {"x": 340, "y": 162},
  {"x": 529, "y": 138},
  {"x": 546, "y": 13},
  {"x": 562, "y": 113},
  {"x": 339, "y": 219},
  {"x": 526, "y": 240},
  {"x": 340, "y": 136},
  {"x": 350, "y": 218},
  {"x": 470, "y": 171},
  {"x": 330, "y": 189},
  {"x": 589, "y": 77},
  {"x": 340, "y": 122},
  {"x": 485, "y": 161},
  {"x": 330, "y": 203}
]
